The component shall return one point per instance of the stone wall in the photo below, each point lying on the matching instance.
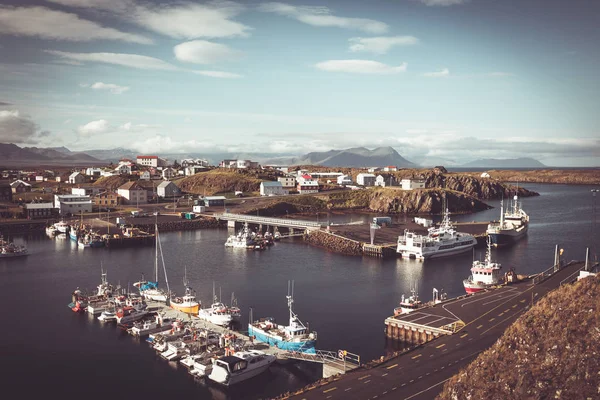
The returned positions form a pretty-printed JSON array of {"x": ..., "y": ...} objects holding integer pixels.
[{"x": 334, "y": 243}]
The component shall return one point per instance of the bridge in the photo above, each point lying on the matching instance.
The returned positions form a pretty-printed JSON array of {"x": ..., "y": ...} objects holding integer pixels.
[{"x": 279, "y": 222}]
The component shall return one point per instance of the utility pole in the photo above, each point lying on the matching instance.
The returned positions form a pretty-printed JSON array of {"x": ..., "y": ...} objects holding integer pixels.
[{"x": 593, "y": 235}]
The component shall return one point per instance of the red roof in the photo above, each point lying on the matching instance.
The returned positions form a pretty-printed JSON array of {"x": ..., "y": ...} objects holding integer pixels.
[
  {"x": 307, "y": 176},
  {"x": 147, "y": 157},
  {"x": 391, "y": 166}
]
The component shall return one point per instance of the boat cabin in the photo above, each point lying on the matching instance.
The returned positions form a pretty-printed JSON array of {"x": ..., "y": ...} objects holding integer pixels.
[
  {"x": 232, "y": 363},
  {"x": 486, "y": 275}
]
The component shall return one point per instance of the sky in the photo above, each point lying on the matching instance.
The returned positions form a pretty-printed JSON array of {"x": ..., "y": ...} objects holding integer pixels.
[{"x": 453, "y": 80}]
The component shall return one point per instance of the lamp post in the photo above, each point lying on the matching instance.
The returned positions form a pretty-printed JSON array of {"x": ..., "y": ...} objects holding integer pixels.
[{"x": 592, "y": 236}]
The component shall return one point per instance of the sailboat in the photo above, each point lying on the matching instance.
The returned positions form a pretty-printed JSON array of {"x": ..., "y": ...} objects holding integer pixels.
[
  {"x": 186, "y": 303},
  {"x": 149, "y": 289}
]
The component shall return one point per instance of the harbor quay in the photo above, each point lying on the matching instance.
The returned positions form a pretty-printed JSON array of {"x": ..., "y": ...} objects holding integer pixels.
[{"x": 477, "y": 321}]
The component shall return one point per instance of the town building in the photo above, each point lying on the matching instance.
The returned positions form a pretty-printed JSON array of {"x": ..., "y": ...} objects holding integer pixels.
[
  {"x": 132, "y": 193},
  {"x": 326, "y": 175},
  {"x": 151, "y": 161},
  {"x": 71, "y": 204},
  {"x": 168, "y": 173},
  {"x": 344, "y": 180},
  {"x": 188, "y": 162},
  {"x": 76, "y": 178},
  {"x": 193, "y": 170},
  {"x": 390, "y": 168},
  {"x": 107, "y": 199},
  {"x": 5, "y": 191},
  {"x": 238, "y": 164},
  {"x": 167, "y": 189},
  {"x": 20, "y": 186},
  {"x": 214, "y": 201},
  {"x": 124, "y": 168},
  {"x": 93, "y": 171},
  {"x": 287, "y": 181},
  {"x": 365, "y": 179},
  {"x": 87, "y": 190},
  {"x": 380, "y": 181},
  {"x": 272, "y": 189},
  {"x": 40, "y": 210},
  {"x": 373, "y": 169},
  {"x": 145, "y": 175},
  {"x": 412, "y": 184},
  {"x": 485, "y": 175},
  {"x": 307, "y": 186}
]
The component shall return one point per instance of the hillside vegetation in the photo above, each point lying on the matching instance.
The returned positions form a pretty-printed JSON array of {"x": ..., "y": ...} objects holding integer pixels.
[
  {"x": 224, "y": 180},
  {"x": 550, "y": 352},
  {"x": 111, "y": 182}
]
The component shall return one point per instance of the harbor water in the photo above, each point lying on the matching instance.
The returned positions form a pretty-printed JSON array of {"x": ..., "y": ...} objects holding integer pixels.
[{"x": 46, "y": 348}]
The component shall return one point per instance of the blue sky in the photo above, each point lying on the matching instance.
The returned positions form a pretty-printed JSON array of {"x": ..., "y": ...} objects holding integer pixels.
[{"x": 454, "y": 79}]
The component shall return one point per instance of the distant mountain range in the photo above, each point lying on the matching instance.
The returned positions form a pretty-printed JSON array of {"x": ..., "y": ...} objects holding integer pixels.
[
  {"x": 507, "y": 163},
  {"x": 356, "y": 157}
]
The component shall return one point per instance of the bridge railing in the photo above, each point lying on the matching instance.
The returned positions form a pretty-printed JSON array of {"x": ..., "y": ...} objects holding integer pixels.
[
  {"x": 269, "y": 220},
  {"x": 344, "y": 360}
]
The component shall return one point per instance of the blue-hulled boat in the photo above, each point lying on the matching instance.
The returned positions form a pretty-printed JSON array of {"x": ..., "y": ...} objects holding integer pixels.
[{"x": 292, "y": 337}]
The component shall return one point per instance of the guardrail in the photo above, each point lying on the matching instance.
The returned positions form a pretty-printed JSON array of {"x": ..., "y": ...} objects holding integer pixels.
[
  {"x": 344, "y": 360},
  {"x": 269, "y": 221}
]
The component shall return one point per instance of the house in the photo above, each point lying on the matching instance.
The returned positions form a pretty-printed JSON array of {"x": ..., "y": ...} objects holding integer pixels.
[
  {"x": 344, "y": 180},
  {"x": 76, "y": 178},
  {"x": 411, "y": 184},
  {"x": 93, "y": 171},
  {"x": 167, "y": 189},
  {"x": 5, "y": 191},
  {"x": 39, "y": 178},
  {"x": 72, "y": 204},
  {"x": 151, "y": 161},
  {"x": 40, "y": 210},
  {"x": 168, "y": 173},
  {"x": 132, "y": 193},
  {"x": 390, "y": 168},
  {"x": 365, "y": 179},
  {"x": 107, "y": 199},
  {"x": 108, "y": 172},
  {"x": 238, "y": 164},
  {"x": 124, "y": 168},
  {"x": 193, "y": 170},
  {"x": 272, "y": 189},
  {"x": 19, "y": 186},
  {"x": 307, "y": 186},
  {"x": 380, "y": 181},
  {"x": 87, "y": 190},
  {"x": 287, "y": 181},
  {"x": 188, "y": 162},
  {"x": 373, "y": 169},
  {"x": 485, "y": 175},
  {"x": 145, "y": 175},
  {"x": 214, "y": 201}
]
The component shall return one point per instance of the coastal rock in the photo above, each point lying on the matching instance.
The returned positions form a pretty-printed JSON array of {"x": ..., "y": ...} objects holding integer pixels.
[{"x": 334, "y": 243}]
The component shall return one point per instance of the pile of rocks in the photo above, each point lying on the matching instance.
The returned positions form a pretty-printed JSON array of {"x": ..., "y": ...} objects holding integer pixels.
[{"x": 334, "y": 243}]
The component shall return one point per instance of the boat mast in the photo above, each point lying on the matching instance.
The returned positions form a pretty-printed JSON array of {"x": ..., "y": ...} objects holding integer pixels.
[
  {"x": 156, "y": 253},
  {"x": 502, "y": 213},
  {"x": 164, "y": 267},
  {"x": 290, "y": 299}
]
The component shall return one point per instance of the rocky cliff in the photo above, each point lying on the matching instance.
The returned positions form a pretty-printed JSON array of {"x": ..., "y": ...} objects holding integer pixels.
[{"x": 550, "y": 352}]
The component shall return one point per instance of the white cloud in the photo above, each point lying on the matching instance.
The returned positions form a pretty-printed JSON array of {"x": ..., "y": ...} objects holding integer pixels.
[
  {"x": 321, "y": 16},
  {"x": 442, "y": 2},
  {"x": 17, "y": 128},
  {"x": 204, "y": 52},
  {"x": 94, "y": 128},
  {"x": 438, "y": 74},
  {"x": 360, "y": 67},
  {"x": 51, "y": 24},
  {"x": 381, "y": 44},
  {"x": 190, "y": 21},
  {"x": 130, "y": 127},
  {"x": 113, "y": 88},
  {"x": 218, "y": 74},
  {"x": 166, "y": 144},
  {"x": 126, "y": 60}
]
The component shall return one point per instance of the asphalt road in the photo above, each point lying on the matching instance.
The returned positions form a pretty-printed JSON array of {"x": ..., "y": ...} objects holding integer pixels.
[{"x": 420, "y": 374}]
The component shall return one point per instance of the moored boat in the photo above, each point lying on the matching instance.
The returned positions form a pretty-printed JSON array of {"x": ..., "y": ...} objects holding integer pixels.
[
  {"x": 188, "y": 302},
  {"x": 513, "y": 225},
  {"x": 293, "y": 337},
  {"x": 243, "y": 239},
  {"x": 243, "y": 365},
  {"x": 150, "y": 289},
  {"x": 409, "y": 304},
  {"x": 484, "y": 274},
  {"x": 8, "y": 249}
]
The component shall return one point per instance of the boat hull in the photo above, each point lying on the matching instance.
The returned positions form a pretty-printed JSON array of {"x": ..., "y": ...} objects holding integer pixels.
[
  {"x": 188, "y": 309},
  {"x": 471, "y": 287},
  {"x": 438, "y": 253},
  {"x": 506, "y": 237},
  {"x": 12, "y": 255},
  {"x": 307, "y": 346}
]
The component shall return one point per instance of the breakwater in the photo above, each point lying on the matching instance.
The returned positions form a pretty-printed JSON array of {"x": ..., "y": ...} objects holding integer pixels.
[
  {"x": 22, "y": 227},
  {"x": 334, "y": 242}
]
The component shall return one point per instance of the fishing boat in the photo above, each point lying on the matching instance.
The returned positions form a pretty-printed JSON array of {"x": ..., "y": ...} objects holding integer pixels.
[
  {"x": 513, "y": 225},
  {"x": 146, "y": 327},
  {"x": 440, "y": 241},
  {"x": 232, "y": 369},
  {"x": 109, "y": 314},
  {"x": 61, "y": 227},
  {"x": 129, "y": 314},
  {"x": 484, "y": 274},
  {"x": 188, "y": 302},
  {"x": 292, "y": 337},
  {"x": 217, "y": 313},
  {"x": 79, "y": 301},
  {"x": 51, "y": 230},
  {"x": 149, "y": 289},
  {"x": 90, "y": 240},
  {"x": 244, "y": 239},
  {"x": 234, "y": 310},
  {"x": 8, "y": 249},
  {"x": 409, "y": 304}
]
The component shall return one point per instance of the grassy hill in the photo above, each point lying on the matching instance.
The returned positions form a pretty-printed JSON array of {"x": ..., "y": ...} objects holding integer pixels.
[
  {"x": 550, "y": 352},
  {"x": 223, "y": 181}
]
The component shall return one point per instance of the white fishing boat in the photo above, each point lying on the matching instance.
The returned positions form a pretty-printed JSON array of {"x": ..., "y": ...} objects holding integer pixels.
[
  {"x": 108, "y": 315},
  {"x": 149, "y": 289},
  {"x": 217, "y": 313},
  {"x": 409, "y": 304},
  {"x": 146, "y": 327},
  {"x": 440, "y": 241},
  {"x": 513, "y": 225},
  {"x": 9, "y": 250},
  {"x": 243, "y": 239},
  {"x": 484, "y": 274},
  {"x": 61, "y": 227},
  {"x": 232, "y": 369}
]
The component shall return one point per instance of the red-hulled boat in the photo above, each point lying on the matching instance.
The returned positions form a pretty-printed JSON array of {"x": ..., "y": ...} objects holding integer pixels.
[{"x": 484, "y": 274}]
